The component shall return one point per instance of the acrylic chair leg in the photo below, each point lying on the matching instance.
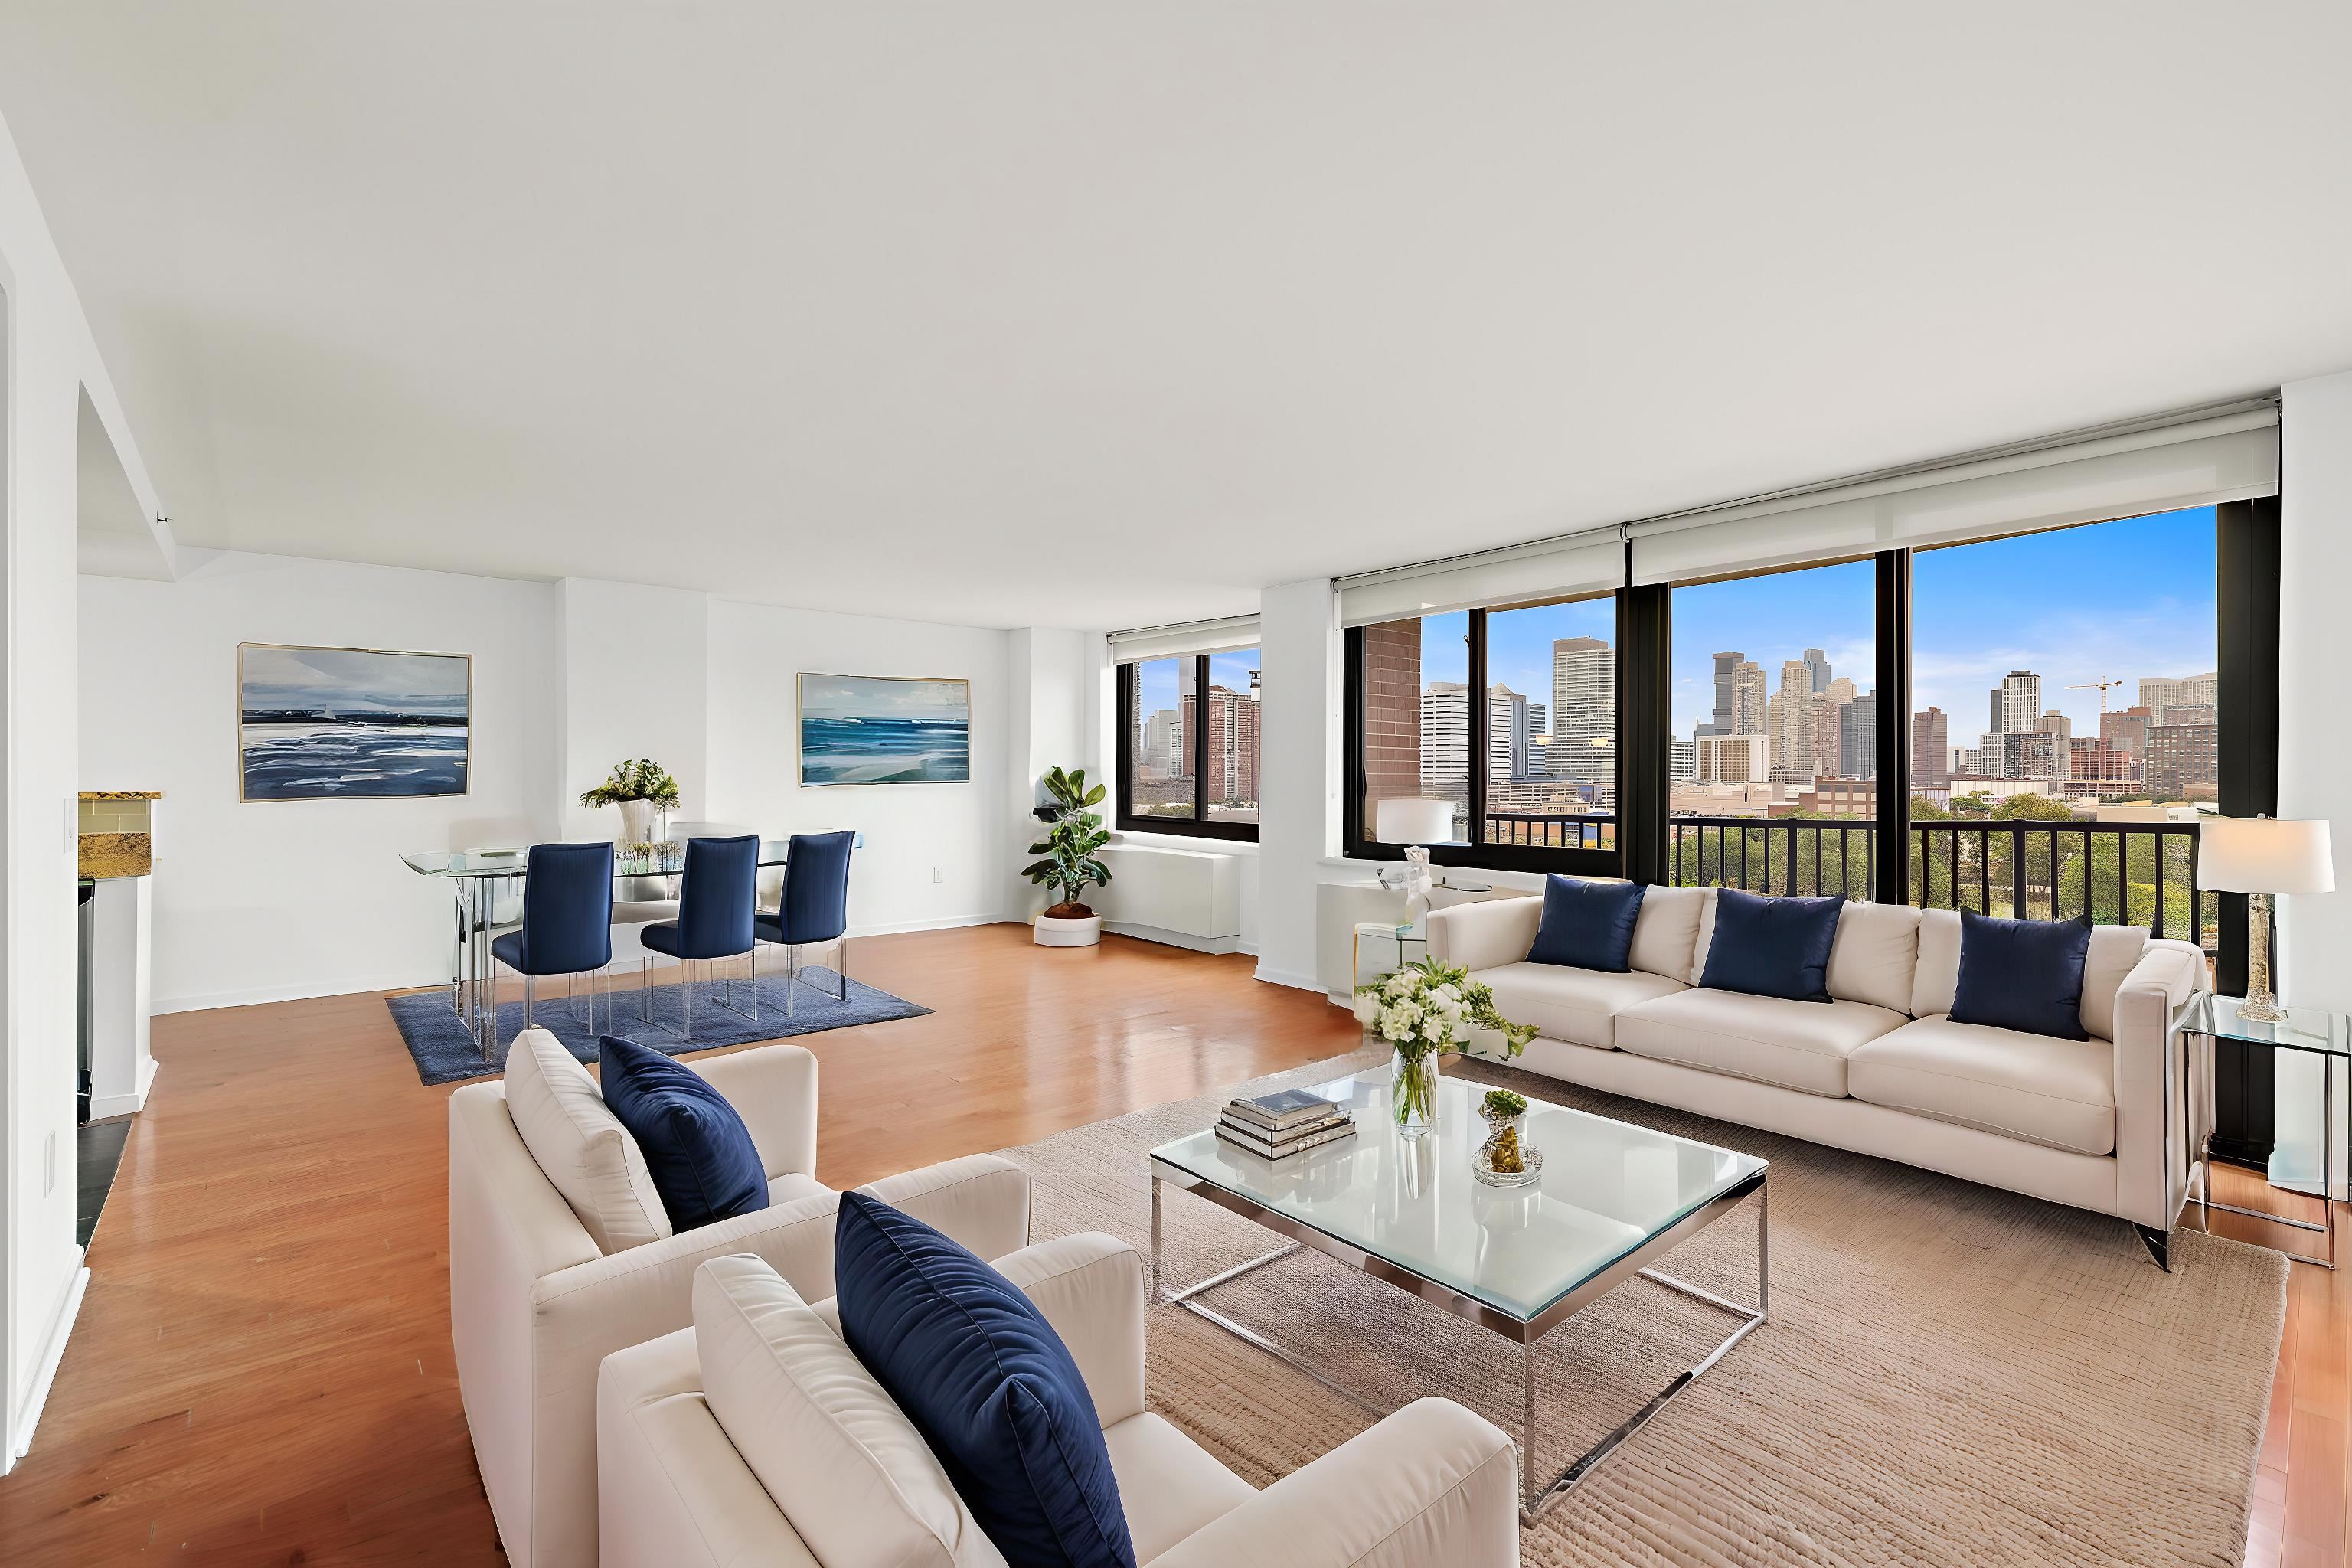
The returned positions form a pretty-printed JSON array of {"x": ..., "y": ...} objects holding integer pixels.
[
  {"x": 841, "y": 965},
  {"x": 529, "y": 994}
]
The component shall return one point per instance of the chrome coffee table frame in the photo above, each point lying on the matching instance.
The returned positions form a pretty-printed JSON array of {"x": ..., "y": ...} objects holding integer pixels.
[{"x": 1534, "y": 1499}]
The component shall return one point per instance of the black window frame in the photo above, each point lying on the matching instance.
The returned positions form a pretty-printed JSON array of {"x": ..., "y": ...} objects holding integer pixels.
[
  {"x": 1200, "y": 825},
  {"x": 1478, "y": 854}
]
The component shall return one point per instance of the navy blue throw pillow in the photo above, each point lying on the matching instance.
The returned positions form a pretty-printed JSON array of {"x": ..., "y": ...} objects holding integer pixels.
[
  {"x": 987, "y": 1382},
  {"x": 1588, "y": 924},
  {"x": 698, "y": 1150},
  {"x": 2022, "y": 974},
  {"x": 1772, "y": 947}
]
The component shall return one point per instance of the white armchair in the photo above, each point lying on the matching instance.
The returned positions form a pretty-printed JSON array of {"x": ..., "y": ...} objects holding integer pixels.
[
  {"x": 535, "y": 1306},
  {"x": 1431, "y": 1484}
]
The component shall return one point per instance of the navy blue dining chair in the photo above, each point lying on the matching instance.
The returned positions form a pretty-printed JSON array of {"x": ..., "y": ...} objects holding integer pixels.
[
  {"x": 814, "y": 909},
  {"x": 567, "y": 922},
  {"x": 716, "y": 893}
]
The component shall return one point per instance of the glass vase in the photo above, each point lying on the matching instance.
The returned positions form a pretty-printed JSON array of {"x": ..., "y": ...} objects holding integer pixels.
[{"x": 1413, "y": 1092}]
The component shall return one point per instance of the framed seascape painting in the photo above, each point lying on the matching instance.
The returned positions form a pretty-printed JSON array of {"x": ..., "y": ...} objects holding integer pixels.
[
  {"x": 885, "y": 728},
  {"x": 344, "y": 724}
]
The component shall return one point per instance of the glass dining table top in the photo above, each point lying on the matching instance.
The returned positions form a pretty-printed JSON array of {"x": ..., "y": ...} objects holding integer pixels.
[
  {"x": 2314, "y": 1029},
  {"x": 512, "y": 862},
  {"x": 1607, "y": 1189}
]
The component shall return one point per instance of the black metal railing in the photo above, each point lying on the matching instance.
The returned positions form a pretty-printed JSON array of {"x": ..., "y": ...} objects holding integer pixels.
[
  {"x": 1541, "y": 830},
  {"x": 1765, "y": 855},
  {"x": 2122, "y": 873}
]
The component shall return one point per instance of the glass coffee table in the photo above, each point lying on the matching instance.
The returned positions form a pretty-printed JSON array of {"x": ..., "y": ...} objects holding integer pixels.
[{"x": 1612, "y": 1198}]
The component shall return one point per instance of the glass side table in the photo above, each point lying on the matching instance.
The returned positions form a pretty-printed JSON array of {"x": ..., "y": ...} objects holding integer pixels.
[
  {"x": 2312, "y": 1030},
  {"x": 1389, "y": 946}
]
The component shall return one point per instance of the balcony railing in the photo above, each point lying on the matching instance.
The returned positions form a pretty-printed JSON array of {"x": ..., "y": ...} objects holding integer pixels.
[
  {"x": 2123, "y": 873},
  {"x": 1537, "y": 830}
]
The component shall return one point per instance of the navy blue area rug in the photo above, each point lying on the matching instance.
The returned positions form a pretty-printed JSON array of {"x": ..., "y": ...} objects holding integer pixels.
[{"x": 445, "y": 1052}]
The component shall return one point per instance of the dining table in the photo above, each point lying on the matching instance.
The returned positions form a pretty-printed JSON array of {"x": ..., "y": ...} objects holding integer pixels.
[{"x": 477, "y": 877}]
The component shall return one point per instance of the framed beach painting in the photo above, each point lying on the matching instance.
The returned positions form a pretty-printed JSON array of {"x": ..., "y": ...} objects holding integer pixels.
[
  {"x": 885, "y": 728},
  {"x": 349, "y": 723}
]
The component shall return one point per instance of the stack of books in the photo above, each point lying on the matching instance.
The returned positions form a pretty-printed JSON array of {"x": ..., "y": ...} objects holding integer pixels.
[{"x": 1280, "y": 1125}]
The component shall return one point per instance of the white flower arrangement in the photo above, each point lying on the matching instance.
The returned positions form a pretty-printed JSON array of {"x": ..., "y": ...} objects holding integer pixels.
[{"x": 1431, "y": 1006}]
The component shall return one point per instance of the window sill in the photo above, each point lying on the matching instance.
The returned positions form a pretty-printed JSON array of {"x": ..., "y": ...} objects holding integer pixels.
[{"x": 1197, "y": 843}]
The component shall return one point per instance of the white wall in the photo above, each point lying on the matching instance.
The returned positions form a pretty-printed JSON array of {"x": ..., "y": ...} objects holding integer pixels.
[
  {"x": 48, "y": 364},
  {"x": 277, "y": 899},
  {"x": 2315, "y": 746},
  {"x": 934, "y": 853},
  {"x": 634, "y": 666},
  {"x": 1299, "y": 768}
]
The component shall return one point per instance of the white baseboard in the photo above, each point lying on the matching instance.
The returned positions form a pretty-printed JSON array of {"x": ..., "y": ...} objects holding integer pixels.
[
  {"x": 45, "y": 1370},
  {"x": 1173, "y": 938},
  {"x": 105, "y": 1107},
  {"x": 1292, "y": 978}
]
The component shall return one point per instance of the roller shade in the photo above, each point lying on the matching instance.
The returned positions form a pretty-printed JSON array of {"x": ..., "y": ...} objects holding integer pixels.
[
  {"x": 2159, "y": 466},
  {"x": 1176, "y": 642},
  {"x": 1589, "y": 563}
]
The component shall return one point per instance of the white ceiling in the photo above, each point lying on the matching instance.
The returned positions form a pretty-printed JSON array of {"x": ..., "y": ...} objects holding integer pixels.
[{"x": 1099, "y": 315}]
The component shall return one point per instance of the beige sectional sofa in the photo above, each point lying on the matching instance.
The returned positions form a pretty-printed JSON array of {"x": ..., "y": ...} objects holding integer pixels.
[{"x": 1881, "y": 1068}]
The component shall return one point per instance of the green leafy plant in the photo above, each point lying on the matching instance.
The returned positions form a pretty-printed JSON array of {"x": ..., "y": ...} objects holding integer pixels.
[
  {"x": 644, "y": 779},
  {"x": 1426, "y": 1010},
  {"x": 1074, "y": 833},
  {"x": 1505, "y": 1102}
]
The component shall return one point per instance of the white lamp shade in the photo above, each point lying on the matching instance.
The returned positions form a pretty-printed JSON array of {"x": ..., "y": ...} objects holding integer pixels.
[
  {"x": 2263, "y": 855},
  {"x": 1405, "y": 820}
]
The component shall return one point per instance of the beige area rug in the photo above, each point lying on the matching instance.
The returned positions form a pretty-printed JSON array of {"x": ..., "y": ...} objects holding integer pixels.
[{"x": 1951, "y": 1374}]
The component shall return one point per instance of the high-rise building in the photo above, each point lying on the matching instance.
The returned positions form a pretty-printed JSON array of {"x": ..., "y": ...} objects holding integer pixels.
[
  {"x": 1817, "y": 663},
  {"x": 1232, "y": 756},
  {"x": 1531, "y": 764},
  {"x": 1508, "y": 733},
  {"x": 2057, "y": 725},
  {"x": 1726, "y": 668},
  {"x": 1445, "y": 746},
  {"x": 1994, "y": 722},
  {"x": 1789, "y": 721},
  {"x": 1747, "y": 699},
  {"x": 1163, "y": 749},
  {"x": 2182, "y": 762},
  {"x": 1858, "y": 738},
  {"x": 2127, "y": 730},
  {"x": 1732, "y": 758},
  {"x": 2028, "y": 754},
  {"x": 1682, "y": 760},
  {"x": 1584, "y": 716},
  {"x": 2021, "y": 702},
  {"x": 2160, "y": 694},
  {"x": 2095, "y": 761},
  {"x": 1931, "y": 751}
]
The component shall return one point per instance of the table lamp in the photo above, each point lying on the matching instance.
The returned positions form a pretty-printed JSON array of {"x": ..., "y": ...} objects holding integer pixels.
[
  {"x": 2260, "y": 857},
  {"x": 1416, "y": 824}
]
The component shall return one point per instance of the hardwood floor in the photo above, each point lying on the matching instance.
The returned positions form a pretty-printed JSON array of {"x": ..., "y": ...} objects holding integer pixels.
[{"x": 262, "y": 1371}]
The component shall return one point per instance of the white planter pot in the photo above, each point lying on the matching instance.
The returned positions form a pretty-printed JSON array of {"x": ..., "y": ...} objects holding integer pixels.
[
  {"x": 638, "y": 821},
  {"x": 1052, "y": 932}
]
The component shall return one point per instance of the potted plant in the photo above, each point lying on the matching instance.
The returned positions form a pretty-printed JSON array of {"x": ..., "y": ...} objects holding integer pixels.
[
  {"x": 639, "y": 789},
  {"x": 1426, "y": 1010},
  {"x": 1074, "y": 833}
]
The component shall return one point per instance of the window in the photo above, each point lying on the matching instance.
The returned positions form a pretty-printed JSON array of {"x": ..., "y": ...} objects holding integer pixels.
[
  {"x": 1188, "y": 759},
  {"x": 1775, "y": 719},
  {"x": 1531, "y": 760},
  {"x": 2101, "y": 705}
]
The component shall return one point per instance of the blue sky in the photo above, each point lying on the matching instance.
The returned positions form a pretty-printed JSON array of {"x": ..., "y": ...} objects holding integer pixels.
[{"x": 2109, "y": 601}]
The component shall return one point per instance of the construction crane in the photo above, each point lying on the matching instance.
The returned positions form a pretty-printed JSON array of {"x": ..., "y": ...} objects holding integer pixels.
[{"x": 2102, "y": 688}]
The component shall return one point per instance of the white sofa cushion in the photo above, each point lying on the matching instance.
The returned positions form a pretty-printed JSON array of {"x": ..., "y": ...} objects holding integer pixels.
[
  {"x": 1875, "y": 955},
  {"x": 2046, "y": 1090},
  {"x": 1168, "y": 1485},
  {"x": 2114, "y": 951},
  {"x": 1665, "y": 933},
  {"x": 830, "y": 1445},
  {"x": 1579, "y": 1005},
  {"x": 580, "y": 1145},
  {"x": 1797, "y": 1044},
  {"x": 1702, "y": 935}
]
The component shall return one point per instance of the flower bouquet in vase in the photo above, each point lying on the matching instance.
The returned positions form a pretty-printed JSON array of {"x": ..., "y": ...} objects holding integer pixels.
[{"x": 1424, "y": 1011}]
